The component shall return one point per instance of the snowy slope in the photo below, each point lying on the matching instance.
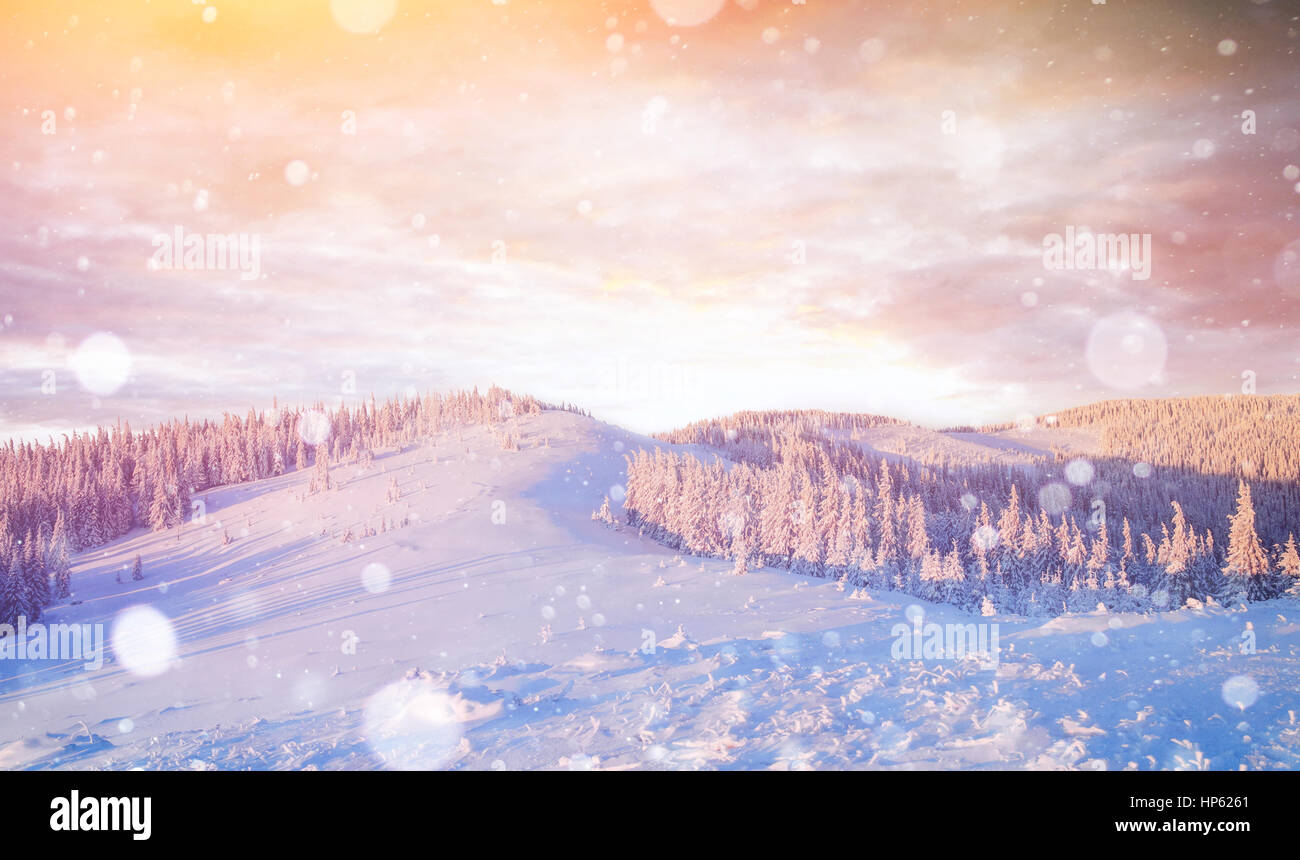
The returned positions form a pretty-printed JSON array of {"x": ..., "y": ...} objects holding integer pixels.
[
  {"x": 503, "y": 628},
  {"x": 1015, "y": 447},
  {"x": 899, "y": 441}
]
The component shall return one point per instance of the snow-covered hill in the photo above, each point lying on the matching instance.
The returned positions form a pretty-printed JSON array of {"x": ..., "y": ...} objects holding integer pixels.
[
  {"x": 500, "y": 627},
  {"x": 1014, "y": 447}
]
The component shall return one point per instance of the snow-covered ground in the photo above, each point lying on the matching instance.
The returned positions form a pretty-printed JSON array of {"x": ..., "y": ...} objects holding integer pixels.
[
  {"x": 908, "y": 441},
  {"x": 1015, "y": 447},
  {"x": 502, "y": 628}
]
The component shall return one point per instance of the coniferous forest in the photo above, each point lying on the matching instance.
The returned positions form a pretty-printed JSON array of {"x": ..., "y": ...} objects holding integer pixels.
[
  {"x": 1158, "y": 516},
  {"x": 59, "y": 498},
  {"x": 1184, "y": 500},
  {"x": 910, "y": 386}
]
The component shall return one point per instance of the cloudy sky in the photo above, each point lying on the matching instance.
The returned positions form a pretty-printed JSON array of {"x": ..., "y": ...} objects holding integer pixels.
[{"x": 660, "y": 210}]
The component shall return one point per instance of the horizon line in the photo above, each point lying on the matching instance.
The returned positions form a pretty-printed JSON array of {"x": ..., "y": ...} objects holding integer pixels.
[{"x": 39, "y": 437}]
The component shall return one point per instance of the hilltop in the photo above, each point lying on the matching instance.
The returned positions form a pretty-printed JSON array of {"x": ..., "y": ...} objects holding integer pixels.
[{"x": 451, "y": 602}]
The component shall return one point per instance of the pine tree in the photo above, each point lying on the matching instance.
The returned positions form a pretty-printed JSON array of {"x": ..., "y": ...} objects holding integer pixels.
[
  {"x": 1247, "y": 562},
  {"x": 137, "y": 569},
  {"x": 1099, "y": 555},
  {"x": 955, "y": 589},
  {"x": 809, "y": 546},
  {"x": 887, "y": 549},
  {"x": 930, "y": 575},
  {"x": 37, "y": 577},
  {"x": 840, "y": 555},
  {"x": 987, "y": 609},
  {"x": 11, "y": 598},
  {"x": 1288, "y": 564},
  {"x": 1126, "y": 553},
  {"x": 1175, "y": 554},
  {"x": 180, "y": 504},
  {"x": 604, "y": 515},
  {"x": 160, "y": 512},
  {"x": 17, "y": 598},
  {"x": 862, "y": 557},
  {"x": 58, "y": 540},
  {"x": 918, "y": 539},
  {"x": 1009, "y": 525},
  {"x": 61, "y": 570},
  {"x": 1076, "y": 554},
  {"x": 321, "y": 481}
]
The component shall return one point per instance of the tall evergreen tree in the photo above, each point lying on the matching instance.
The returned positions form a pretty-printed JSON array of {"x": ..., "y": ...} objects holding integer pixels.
[
  {"x": 1288, "y": 565},
  {"x": 18, "y": 597},
  {"x": 11, "y": 593},
  {"x": 1247, "y": 563},
  {"x": 57, "y": 560}
]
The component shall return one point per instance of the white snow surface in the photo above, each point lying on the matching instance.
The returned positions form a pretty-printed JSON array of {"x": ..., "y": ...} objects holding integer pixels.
[{"x": 523, "y": 644}]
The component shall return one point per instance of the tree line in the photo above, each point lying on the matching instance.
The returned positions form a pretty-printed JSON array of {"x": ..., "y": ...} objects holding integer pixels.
[
  {"x": 62, "y": 497},
  {"x": 781, "y": 490}
]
